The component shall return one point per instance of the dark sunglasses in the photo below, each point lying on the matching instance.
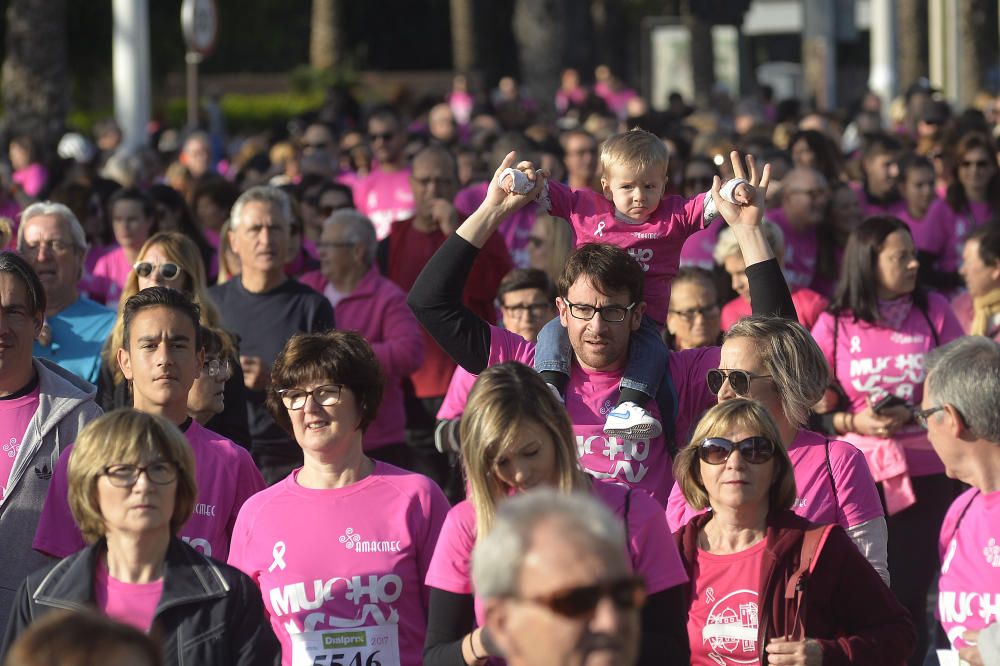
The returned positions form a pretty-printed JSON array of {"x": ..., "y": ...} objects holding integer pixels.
[
  {"x": 738, "y": 379},
  {"x": 385, "y": 136},
  {"x": 754, "y": 450},
  {"x": 168, "y": 270},
  {"x": 581, "y": 602}
]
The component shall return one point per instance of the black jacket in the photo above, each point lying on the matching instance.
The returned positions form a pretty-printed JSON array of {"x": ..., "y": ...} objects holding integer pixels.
[{"x": 210, "y": 614}]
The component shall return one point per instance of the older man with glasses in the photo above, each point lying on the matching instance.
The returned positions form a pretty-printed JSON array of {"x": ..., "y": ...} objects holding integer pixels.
[
  {"x": 53, "y": 243},
  {"x": 556, "y": 585}
]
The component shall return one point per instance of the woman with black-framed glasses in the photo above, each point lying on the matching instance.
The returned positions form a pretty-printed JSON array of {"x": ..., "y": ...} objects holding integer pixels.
[
  {"x": 776, "y": 362},
  {"x": 132, "y": 487},
  {"x": 766, "y": 584},
  {"x": 356, "y": 532}
]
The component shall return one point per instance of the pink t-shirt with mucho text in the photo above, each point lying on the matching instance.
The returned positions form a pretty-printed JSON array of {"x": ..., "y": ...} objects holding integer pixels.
[
  {"x": 656, "y": 243},
  {"x": 847, "y": 497},
  {"x": 723, "y": 614},
  {"x": 133, "y": 604},
  {"x": 651, "y": 549},
  {"x": 226, "y": 476},
  {"x": 344, "y": 558},
  {"x": 385, "y": 197},
  {"x": 643, "y": 463},
  {"x": 969, "y": 586},
  {"x": 15, "y": 415},
  {"x": 874, "y": 360}
]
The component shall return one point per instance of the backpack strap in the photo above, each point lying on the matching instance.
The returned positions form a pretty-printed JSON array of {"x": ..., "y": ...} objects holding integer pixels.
[
  {"x": 812, "y": 544},
  {"x": 829, "y": 472},
  {"x": 628, "y": 505},
  {"x": 930, "y": 324},
  {"x": 958, "y": 522}
]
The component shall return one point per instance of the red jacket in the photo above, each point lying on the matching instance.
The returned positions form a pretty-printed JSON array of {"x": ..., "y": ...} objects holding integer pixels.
[
  {"x": 843, "y": 602},
  {"x": 408, "y": 251}
]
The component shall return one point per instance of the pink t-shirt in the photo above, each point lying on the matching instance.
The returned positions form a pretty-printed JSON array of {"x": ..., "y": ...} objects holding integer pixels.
[
  {"x": 656, "y": 243},
  {"x": 515, "y": 230},
  {"x": 31, "y": 178},
  {"x": 643, "y": 463},
  {"x": 15, "y": 415},
  {"x": 842, "y": 492},
  {"x": 345, "y": 565},
  {"x": 808, "y": 306},
  {"x": 651, "y": 549},
  {"x": 874, "y": 360},
  {"x": 870, "y": 208},
  {"x": 801, "y": 251},
  {"x": 454, "y": 401},
  {"x": 956, "y": 226},
  {"x": 969, "y": 587},
  {"x": 226, "y": 476},
  {"x": 385, "y": 197},
  {"x": 699, "y": 248},
  {"x": 723, "y": 613},
  {"x": 929, "y": 236},
  {"x": 115, "y": 267},
  {"x": 131, "y": 603}
]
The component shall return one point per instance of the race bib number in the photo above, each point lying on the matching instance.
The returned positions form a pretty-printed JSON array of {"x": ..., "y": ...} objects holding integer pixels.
[{"x": 365, "y": 646}]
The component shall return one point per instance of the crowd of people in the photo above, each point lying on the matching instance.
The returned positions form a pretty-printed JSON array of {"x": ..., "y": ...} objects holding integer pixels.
[{"x": 465, "y": 382}]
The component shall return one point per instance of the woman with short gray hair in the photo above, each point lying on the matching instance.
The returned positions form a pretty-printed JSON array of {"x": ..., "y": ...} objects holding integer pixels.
[{"x": 776, "y": 362}]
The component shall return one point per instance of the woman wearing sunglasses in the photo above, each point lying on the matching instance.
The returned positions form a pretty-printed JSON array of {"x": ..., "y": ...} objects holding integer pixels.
[
  {"x": 131, "y": 488},
  {"x": 341, "y": 546},
  {"x": 777, "y": 363},
  {"x": 875, "y": 335},
  {"x": 170, "y": 259},
  {"x": 515, "y": 436},
  {"x": 768, "y": 586}
]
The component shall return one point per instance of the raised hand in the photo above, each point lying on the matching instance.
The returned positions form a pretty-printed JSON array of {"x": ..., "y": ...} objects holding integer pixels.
[
  {"x": 504, "y": 202},
  {"x": 751, "y": 213}
]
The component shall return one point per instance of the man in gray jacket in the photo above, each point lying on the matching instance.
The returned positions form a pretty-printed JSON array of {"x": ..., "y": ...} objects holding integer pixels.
[{"x": 42, "y": 407}]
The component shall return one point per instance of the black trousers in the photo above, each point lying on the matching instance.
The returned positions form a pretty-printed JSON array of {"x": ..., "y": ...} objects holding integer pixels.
[{"x": 913, "y": 550}]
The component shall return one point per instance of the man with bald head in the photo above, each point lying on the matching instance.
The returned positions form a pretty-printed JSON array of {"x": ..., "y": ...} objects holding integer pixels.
[
  {"x": 402, "y": 255},
  {"x": 805, "y": 197}
]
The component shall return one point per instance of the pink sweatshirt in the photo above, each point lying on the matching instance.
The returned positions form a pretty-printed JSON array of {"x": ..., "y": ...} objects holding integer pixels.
[{"x": 377, "y": 310}]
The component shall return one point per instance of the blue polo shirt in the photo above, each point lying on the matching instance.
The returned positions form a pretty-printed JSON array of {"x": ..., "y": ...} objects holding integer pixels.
[{"x": 78, "y": 335}]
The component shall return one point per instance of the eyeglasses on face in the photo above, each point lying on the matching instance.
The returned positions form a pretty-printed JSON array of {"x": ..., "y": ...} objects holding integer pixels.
[
  {"x": 219, "y": 368},
  {"x": 51, "y": 246},
  {"x": 168, "y": 270},
  {"x": 921, "y": 415},
  {"x": 384, "y": 136},
  {"x": 525, "y": 309},
  {"x": 626, "y": 593},
  {"x": 609, "y": 313},
  {"x": 160, "y": 472},
  {"x": 689, "y": 315},
  {"x": 326, "y": 395},
  {"x": 738, "y": 379},
  {"x": 754, "y": 450}
]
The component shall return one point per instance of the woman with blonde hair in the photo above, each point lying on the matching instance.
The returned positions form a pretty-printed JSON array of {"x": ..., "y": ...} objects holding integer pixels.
[
  {"x": 550, "y": 244},
  {"x": 767, "y": 584},
  {"x": 517, "y": 436},
  {"x": 170, "y": 259},
  {"x": 131, "y": 489}
]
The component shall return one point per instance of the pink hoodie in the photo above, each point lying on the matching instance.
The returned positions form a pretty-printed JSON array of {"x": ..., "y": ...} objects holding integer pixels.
[{"x": 377, "y": 310}]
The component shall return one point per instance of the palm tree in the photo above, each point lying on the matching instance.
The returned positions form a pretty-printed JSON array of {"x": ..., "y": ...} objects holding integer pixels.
[
  {"x": 912, "y": 50},
  {"x": 463, "y": 36},
  {"x": 35, "y": 70},
  {"x": 326, "y": 34},
  {"x": 540, "y": 33}
]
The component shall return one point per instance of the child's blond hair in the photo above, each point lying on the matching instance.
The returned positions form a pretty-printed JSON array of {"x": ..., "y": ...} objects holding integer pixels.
[{"x": 636, "y": 149}]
